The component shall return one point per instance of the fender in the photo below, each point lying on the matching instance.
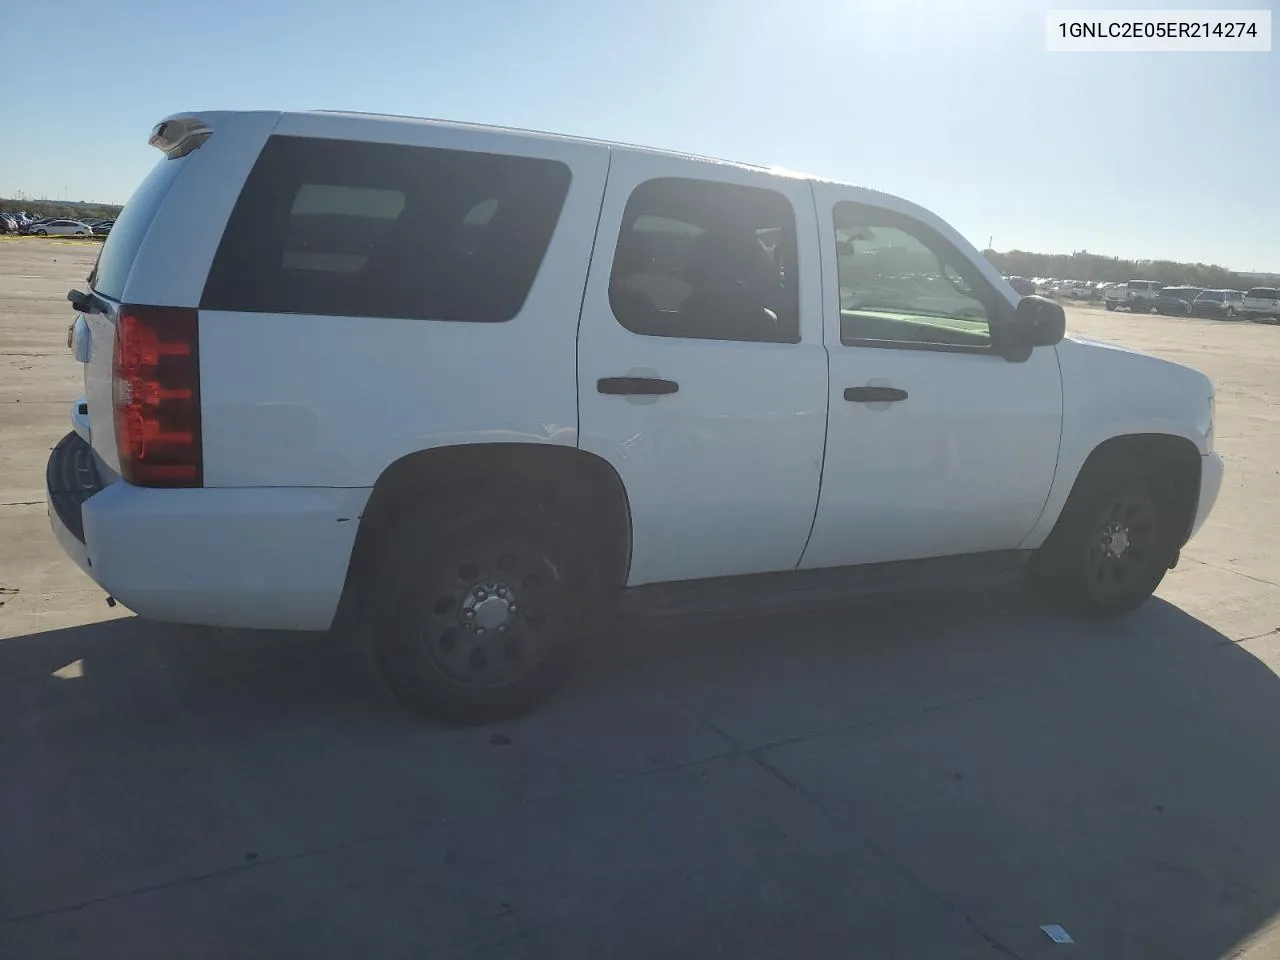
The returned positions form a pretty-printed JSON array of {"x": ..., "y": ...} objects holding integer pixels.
[{"x": 1110, "y": 391}]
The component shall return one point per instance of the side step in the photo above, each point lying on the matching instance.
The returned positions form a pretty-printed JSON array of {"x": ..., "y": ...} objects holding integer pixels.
[{"x": 791, "y": 589}]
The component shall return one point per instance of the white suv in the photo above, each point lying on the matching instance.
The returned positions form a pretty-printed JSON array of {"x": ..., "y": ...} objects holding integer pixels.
[
  {"x": 1261, "y": 303},
  {"x": 464, "y": 384}
]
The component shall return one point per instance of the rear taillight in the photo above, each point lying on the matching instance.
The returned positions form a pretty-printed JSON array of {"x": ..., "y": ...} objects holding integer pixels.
[{"x": 155, "y": 390}]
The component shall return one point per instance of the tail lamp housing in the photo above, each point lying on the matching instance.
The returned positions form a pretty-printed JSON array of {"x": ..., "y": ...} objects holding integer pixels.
[{"x": 155, "y": 391}]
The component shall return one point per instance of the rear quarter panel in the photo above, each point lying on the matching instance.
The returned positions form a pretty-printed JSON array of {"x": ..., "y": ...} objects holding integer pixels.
[
  {"x": 172, "y": 260},
  {"x": 309, "y": 400}
]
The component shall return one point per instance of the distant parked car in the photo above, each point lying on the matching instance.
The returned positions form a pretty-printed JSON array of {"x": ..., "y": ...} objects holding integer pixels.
[
  {"x": 1136, "y": 295},
  {"x": 103, "y": 229},
  {"x": 1022, "y": 285},
  {"x": 1262, "y": 304},
  {"x": 1217, "y": 303},
  {"x": 62, "y": 228},
  {"x": 1176, "y": 301}
]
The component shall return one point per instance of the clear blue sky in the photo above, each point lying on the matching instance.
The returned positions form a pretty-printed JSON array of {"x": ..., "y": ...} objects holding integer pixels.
[{"x": 952, "y": 103}]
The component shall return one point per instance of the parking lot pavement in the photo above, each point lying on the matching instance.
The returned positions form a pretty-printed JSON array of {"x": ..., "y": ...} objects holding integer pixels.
[{"x": 888, "y": 780}]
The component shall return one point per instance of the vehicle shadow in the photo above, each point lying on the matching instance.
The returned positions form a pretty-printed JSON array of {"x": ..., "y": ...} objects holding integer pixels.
[{"x": 1117, "y": 778}]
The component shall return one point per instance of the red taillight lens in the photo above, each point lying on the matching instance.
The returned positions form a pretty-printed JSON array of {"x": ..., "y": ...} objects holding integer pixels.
[{"x": 155, "y": 388}]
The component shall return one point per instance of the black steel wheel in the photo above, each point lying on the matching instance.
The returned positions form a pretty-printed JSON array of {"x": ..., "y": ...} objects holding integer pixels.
[
  {"x": 1123, "y": 541},
  {"x": 479, "y": 617},
  {"x": 495, "y": 611},
  {"x": 1112, "y": 544}
]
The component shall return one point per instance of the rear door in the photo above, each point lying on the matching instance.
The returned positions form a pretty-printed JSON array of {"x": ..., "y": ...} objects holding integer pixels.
[{"x": 702, "y": 377}]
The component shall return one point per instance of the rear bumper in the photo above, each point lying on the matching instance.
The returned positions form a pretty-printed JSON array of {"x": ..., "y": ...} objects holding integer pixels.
[
  {"x": 1211, "y": 471},
  {"x": 271, "y": 557}
]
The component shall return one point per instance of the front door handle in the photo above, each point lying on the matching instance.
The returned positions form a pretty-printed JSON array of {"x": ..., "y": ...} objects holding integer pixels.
[
  {"x": 874, "y": 394},
  {"x": 636, "y": 386}
]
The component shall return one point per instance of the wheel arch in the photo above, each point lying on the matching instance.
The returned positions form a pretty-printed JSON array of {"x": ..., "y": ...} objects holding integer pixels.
[
  {"x": 1177, "y": 456},
  {"x": 579, "y": 487}
]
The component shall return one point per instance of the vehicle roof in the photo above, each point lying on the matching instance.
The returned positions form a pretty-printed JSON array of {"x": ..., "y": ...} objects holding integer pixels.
[
  {"x": 532, "y": 134},
  {"x": 494, "y": 129}
]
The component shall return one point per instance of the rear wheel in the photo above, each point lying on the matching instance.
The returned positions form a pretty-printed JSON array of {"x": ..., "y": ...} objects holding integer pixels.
[
  {"x": 1113, "y": 543},
  {"x": 1109, "y": 305},
  {"x": 480, "y": 616},
  {"x": 41, "y": 232},
  {"x": 1231, "y": 313}
]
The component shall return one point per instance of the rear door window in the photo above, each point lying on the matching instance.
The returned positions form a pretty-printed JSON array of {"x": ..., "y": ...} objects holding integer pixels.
[
  {"x": 1264, "y": 293},
  {"x": 345, "y": 228},
  {"x": 706, "y": 260},
  {"x": 126, "y": 236}
]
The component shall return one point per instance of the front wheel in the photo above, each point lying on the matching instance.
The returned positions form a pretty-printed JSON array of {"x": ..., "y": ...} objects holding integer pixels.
[
  {"x": 479, "y": 616},
  {"x": 1112, "y": 544}
]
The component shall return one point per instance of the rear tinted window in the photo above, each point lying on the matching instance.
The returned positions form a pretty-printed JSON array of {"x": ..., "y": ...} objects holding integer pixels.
[
  {"x": 381, "y": 230},
  {"x": 1264, "y": 293},
  {"x": 123, "y": 242}
]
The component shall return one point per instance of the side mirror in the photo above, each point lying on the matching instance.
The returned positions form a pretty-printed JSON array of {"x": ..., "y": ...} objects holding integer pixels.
[{"x": 1038, "y": 322}]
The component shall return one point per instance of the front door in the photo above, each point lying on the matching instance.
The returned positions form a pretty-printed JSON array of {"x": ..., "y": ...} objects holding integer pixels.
[
  {"x": 937, "y": 445},
  {"x": 702, "y": 376}
]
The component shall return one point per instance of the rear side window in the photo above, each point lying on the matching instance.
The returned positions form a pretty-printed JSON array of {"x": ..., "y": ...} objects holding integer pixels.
[
  {"x": 1264, "y": 293},
  {"x": 344, "y": 228},
  {"x": 708, "y": 261},
  {"x": 126, "y": 236}
]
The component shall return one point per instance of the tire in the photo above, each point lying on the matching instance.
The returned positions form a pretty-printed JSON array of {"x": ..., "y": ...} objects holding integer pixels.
[
  {"x": 41, "y": 233},
  {"x": 1231, "y": 313},
  {"x": 1112, "y": 544},
  {"x": 479, "y": 617},
  {"x": 1109, "y": 305}
]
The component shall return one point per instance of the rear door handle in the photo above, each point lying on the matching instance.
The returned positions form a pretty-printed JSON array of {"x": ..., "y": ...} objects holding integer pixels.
[
  {"x": 874, "y": 394},
  {"x": 636, "y": 386}
]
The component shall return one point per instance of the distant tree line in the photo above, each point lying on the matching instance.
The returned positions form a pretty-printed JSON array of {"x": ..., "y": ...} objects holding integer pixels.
[
  {"x": 69, "y": 211},
  {"x": 1093, "y": 268}
]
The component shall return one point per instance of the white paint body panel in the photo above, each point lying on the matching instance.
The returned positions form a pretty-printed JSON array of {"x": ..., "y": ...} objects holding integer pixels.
[
  {"x": 963, "y": 465},
  {"x": 1111, "y": 391},
  {"x": 722, "y": 476},
  {"x": 266, "y": 557}
]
